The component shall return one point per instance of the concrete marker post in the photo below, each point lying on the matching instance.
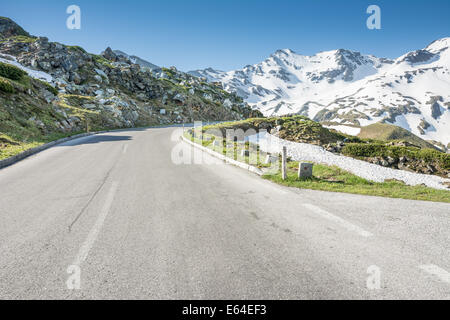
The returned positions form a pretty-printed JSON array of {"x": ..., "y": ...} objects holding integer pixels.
[
  {"x": 305, "y": 170},
  {"x": 284, "y": 163}
]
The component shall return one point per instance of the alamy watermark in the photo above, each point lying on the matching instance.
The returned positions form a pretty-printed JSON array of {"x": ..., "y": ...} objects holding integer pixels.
[
  {"x": 74, "y": 280},
  {"x": 374, "y": 20},
  {"x": 247, "y": 146},
  {"x": 373, "y": 281},
  {"x": 73, "y": 22}
]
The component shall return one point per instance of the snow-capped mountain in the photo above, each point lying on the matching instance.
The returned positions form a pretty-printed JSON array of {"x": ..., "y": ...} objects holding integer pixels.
[
  {"x": 139, "y": 61},
  {"x": 347, "y": 89}
]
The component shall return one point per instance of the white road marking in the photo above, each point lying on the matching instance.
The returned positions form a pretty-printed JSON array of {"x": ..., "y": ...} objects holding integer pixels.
[
  {"x": 93, "y": 234},
  {"x": 434, "y": 270},
  {"x": 348, "y": 225},
  {"x": 125, "y": 148}
]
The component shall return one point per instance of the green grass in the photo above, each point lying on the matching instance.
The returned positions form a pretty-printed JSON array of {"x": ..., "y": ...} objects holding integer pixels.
[
  {"x": 49, "y": 87},
  {"x": 233, "y": 149},
  {"x": 22, "y": 39},
  {"x": 101, "y": 60},
  {"x": 10, "y": 147},
  {"x": 11, "y": 72},
  {"x": 334, "y": 179},
  {"x": 6, "y": 86},
  {"x": 362, "y": 150},
  {"x": 331, "y": 178},
  {"x": 76, "y": 48}
]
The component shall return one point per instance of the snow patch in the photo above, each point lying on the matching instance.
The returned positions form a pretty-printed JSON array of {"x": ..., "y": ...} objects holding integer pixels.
[
  {"x": 40, "y": 75},
  {"x": 353, "y": 131}
]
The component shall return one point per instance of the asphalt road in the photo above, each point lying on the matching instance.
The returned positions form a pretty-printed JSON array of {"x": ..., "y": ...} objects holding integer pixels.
[{"x": 140, "y": 226}]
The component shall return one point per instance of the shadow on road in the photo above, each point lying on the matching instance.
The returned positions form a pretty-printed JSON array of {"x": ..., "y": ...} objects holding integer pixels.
[{"x": 99, "y": 139}]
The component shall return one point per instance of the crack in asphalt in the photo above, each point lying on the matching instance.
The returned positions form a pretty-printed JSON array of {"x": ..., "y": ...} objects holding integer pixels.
[{"x": 91, "y": 198}]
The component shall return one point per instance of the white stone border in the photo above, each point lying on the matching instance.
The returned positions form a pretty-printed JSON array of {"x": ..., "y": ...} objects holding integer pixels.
[{"x": 369, "y": 171}]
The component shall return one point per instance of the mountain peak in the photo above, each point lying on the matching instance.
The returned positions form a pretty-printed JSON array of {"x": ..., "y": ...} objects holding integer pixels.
[
  {"x": 8, "y": 28},
  {"x": 138, "y": 60},
  {"x": 346, "y": 87},
  {"x": 284, "y": 52},
  {"x": 439, "y": 45}
]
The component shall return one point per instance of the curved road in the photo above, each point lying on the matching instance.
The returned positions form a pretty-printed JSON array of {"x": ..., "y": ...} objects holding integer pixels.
[{"x": 115, "y": 212}]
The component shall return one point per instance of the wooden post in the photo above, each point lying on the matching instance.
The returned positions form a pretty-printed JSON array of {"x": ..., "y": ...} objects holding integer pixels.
[{"x": 284, "y": 163}]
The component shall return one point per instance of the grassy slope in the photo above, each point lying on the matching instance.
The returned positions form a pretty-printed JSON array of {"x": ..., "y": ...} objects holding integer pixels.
[
  {"x": 331, "y": 178},
  {"x": 327, "y": 178},
  {"x": 17, "y": 132},
  {"x": 387, "y": 132},
  {"x": 10, "y": 147}
]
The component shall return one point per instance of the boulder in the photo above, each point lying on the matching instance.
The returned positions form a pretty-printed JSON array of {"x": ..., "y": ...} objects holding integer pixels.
[
  {"x": 46, "y": 66},
  {"x": 208, "y": 96},
  {"x": 227, "y": 103},
  {"x": 100, "y": 73},
  {"x": 75, "y": 78},
  {"x": 384, "y": 163},
  {"x": 179, "y": 98},
  {"x": 69, "y": 64},
  {"x": 98, "y": 78},
  {"x": 131, "y": 116},
  {"x": 391, "y": 161}
]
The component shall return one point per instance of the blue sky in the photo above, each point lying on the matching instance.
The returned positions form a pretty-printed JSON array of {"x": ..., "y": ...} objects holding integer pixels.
[{"x": 229, "y": 34}]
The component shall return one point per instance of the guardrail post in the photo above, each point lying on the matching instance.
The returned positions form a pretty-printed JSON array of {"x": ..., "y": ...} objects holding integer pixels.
[{"x": 284, "y": 163}]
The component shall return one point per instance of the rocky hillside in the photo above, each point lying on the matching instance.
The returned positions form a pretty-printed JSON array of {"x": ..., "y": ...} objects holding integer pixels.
[
  {"x": 350, "y": 90},
  {"x": 64, "y": 89}
]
